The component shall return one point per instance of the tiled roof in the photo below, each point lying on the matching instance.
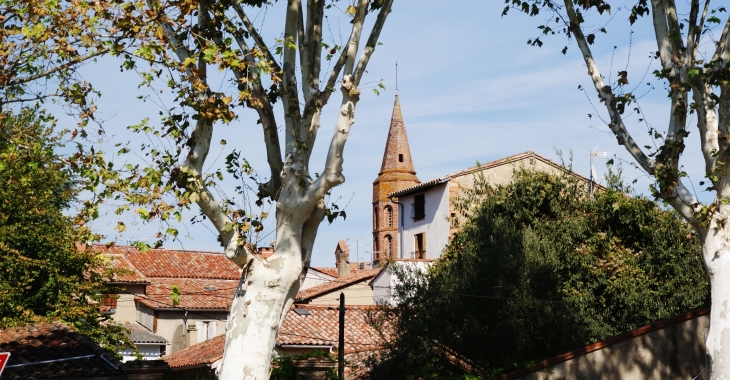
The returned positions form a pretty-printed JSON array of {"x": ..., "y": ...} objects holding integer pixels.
[
  {"x": 320, "y": 328},
  {"x": 355, "y": 276},
  {"x": 332, "y": 272},
  {"x": 54, "y": 341},
  {"x": 202, "y": 353},
  {"x": 177, "y": 264},
  {"x": 132, "y": 275},
  {"x": 481, "y": 167},
  {"x": 140, "y": 334},
  {"x": 195, "y": 293}
]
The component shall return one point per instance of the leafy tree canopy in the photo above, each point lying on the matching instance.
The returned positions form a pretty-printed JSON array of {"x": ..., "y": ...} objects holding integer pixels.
[
  {"x": 539, "y": 268},
  {"x": 43, "y": 276}
]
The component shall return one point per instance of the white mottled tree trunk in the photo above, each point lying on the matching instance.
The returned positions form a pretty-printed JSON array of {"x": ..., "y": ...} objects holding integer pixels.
[
  {"x": 260, "y": 302},
  {"x": 716, "y": 253}
]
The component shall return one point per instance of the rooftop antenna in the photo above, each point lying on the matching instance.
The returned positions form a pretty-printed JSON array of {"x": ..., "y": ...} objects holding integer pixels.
[{"x": 593, "y": 156}]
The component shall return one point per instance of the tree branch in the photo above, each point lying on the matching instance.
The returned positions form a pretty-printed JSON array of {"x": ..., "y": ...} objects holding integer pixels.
[
  {"x": 354, "y": 42},
  {"x": 372, "y": 42},
  {"x": 48, "y": 72},
  {"x": 617, "y": 125},
  {"x": 255, "y": 34}
]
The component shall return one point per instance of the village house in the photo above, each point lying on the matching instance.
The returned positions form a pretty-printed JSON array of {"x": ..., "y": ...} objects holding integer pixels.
[
  {"x": 413, "y": 220},
  {"x": 306, "y": 328},
  {"x": 206, "y": 282}
]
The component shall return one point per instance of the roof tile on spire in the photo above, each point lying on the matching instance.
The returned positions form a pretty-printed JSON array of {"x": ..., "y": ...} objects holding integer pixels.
[{"x": 397, "y": 156}]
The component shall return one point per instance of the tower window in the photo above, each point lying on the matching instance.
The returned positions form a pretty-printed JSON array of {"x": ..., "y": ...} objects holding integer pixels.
[
  {"x": 389, "y": 215},
  {"x": 400, "y": 158},
  {"x": 388, "y": 245}
]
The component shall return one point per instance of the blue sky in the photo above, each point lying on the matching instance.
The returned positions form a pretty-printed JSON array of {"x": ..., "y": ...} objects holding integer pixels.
[{"x": 471, "y": 90}]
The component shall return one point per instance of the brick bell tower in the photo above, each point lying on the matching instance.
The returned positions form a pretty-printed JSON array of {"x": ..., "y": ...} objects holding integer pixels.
[{"x": 396, "y": 173}]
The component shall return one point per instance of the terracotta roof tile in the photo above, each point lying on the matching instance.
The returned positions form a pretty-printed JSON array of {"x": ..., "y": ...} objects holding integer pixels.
[
  {"x": 355, "y": 276},
  {"x": 332, "y": 272},
  {"x": 53, "y": 341},
  {"x": 140, "y": 334},
  {"x": 176, "y": 263},
  {"x": 195, "y": 293},
  {"x": 133, "y": 276},
  {"x": 320, "y": 328},
  {"x": 202, "y": 353}
]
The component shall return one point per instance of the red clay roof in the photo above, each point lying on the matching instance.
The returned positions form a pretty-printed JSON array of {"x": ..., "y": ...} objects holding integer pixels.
[
  {"x": 608, "y": 342},
  {"x": 355, "y": 276},
  {"x": 132, "y": 275},
  {"x": 52, "y": 341},
  {"x": 177, "y": 264},
  {"x": 193, "y": 293},
  {"x": 202, "y": 353},
  {"x": 332, "y": 272},
  {"x": 320, "y": 328}
]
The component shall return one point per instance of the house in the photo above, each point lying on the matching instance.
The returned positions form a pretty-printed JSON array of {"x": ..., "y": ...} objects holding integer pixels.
[
  {"x": 205, "y": 281},
  {"x": 151, "y": 346},
  {"x": 427, "y": 208},
  {"x": 669, "y": 349},
  {"x": 53, "y": 350},
  {"x": 305, "y": 328},
  {"x": 355, "y": 286},
  {"x": 384, "y": 281}
]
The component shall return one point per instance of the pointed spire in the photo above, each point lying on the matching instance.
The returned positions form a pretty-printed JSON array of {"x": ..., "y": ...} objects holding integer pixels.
[{"x": 397, "y": 156}]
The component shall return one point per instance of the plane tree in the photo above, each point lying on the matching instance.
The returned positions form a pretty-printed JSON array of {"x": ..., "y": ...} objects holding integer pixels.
[
  {"x": 698, "y": 98},
  {"x": 192, "y": 46}
]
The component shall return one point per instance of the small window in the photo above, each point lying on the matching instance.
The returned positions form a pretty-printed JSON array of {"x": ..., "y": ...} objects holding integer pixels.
[
  {"x": 388, "y": 245},
  {"x": 375, "y": 218},
  {"x": 375, "y": 249},
  {"x": 400, "y": 158},
  {"x": 419, "y": 207},
  {"x": 389, "y": 215},
  {"x": 420, "y": 245}
]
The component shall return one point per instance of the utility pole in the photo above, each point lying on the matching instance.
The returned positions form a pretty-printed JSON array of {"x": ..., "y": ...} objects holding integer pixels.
[{"x": 341, "y": 348}]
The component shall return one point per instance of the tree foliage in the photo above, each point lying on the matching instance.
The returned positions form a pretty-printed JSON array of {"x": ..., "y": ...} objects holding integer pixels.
[
  {"x": 539, "y": 268},
  {"x": 43, "y": 275}
]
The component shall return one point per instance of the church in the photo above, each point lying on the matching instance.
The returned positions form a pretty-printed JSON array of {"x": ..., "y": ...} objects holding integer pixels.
[{"x": 412, "y": 219}]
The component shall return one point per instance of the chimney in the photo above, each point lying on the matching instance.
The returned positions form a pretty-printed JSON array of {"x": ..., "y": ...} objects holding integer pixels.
[{"x": 342, "y": 258}]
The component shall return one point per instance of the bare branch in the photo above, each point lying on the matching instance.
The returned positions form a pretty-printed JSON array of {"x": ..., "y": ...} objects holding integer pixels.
[
  {"x": 263, "y": 107},
  {"x": 661, "y": 31},
  {"x": 722, "y": 52},
  {"x": 707, "y": 124},
  {"x": 48, "y": 72},
  {"x": 617, "y": 125},
  {"x": 372, "y": 42},
  {"x": 255, "y": 34}
]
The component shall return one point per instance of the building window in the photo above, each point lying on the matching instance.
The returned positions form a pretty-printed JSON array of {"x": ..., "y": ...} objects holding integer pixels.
[
  {"x": 400, "y": 158},
  {"x": 375, "y": 249},
  {"x": 375, "y": 218},
  {"x": 389, "y": 215},
  {"x": 419, "y": 206},
  {"x": 388, "y": 245},
  {"x": 420, "y": 245},
  {"x": 110, "y": 301}
]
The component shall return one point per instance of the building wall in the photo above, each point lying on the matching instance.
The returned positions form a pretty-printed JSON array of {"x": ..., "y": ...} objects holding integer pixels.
[
  {"x": 170, "y": 326},
  {"x": 126, "y": 310},
  {"x": 385, "y": 282},
  {"x": 674, "y": 352},
  {"x": 435, "y": 225},
  {"x": 314, "y": 278},
  {"x": 358, "y": 293}
]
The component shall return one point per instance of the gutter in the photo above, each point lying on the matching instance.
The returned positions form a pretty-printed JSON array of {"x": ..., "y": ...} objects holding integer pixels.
[{"x": 330, "y": 348}]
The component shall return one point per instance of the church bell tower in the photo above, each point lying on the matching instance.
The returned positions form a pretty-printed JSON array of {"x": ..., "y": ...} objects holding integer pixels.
[{"x": 396, "y": 173}]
